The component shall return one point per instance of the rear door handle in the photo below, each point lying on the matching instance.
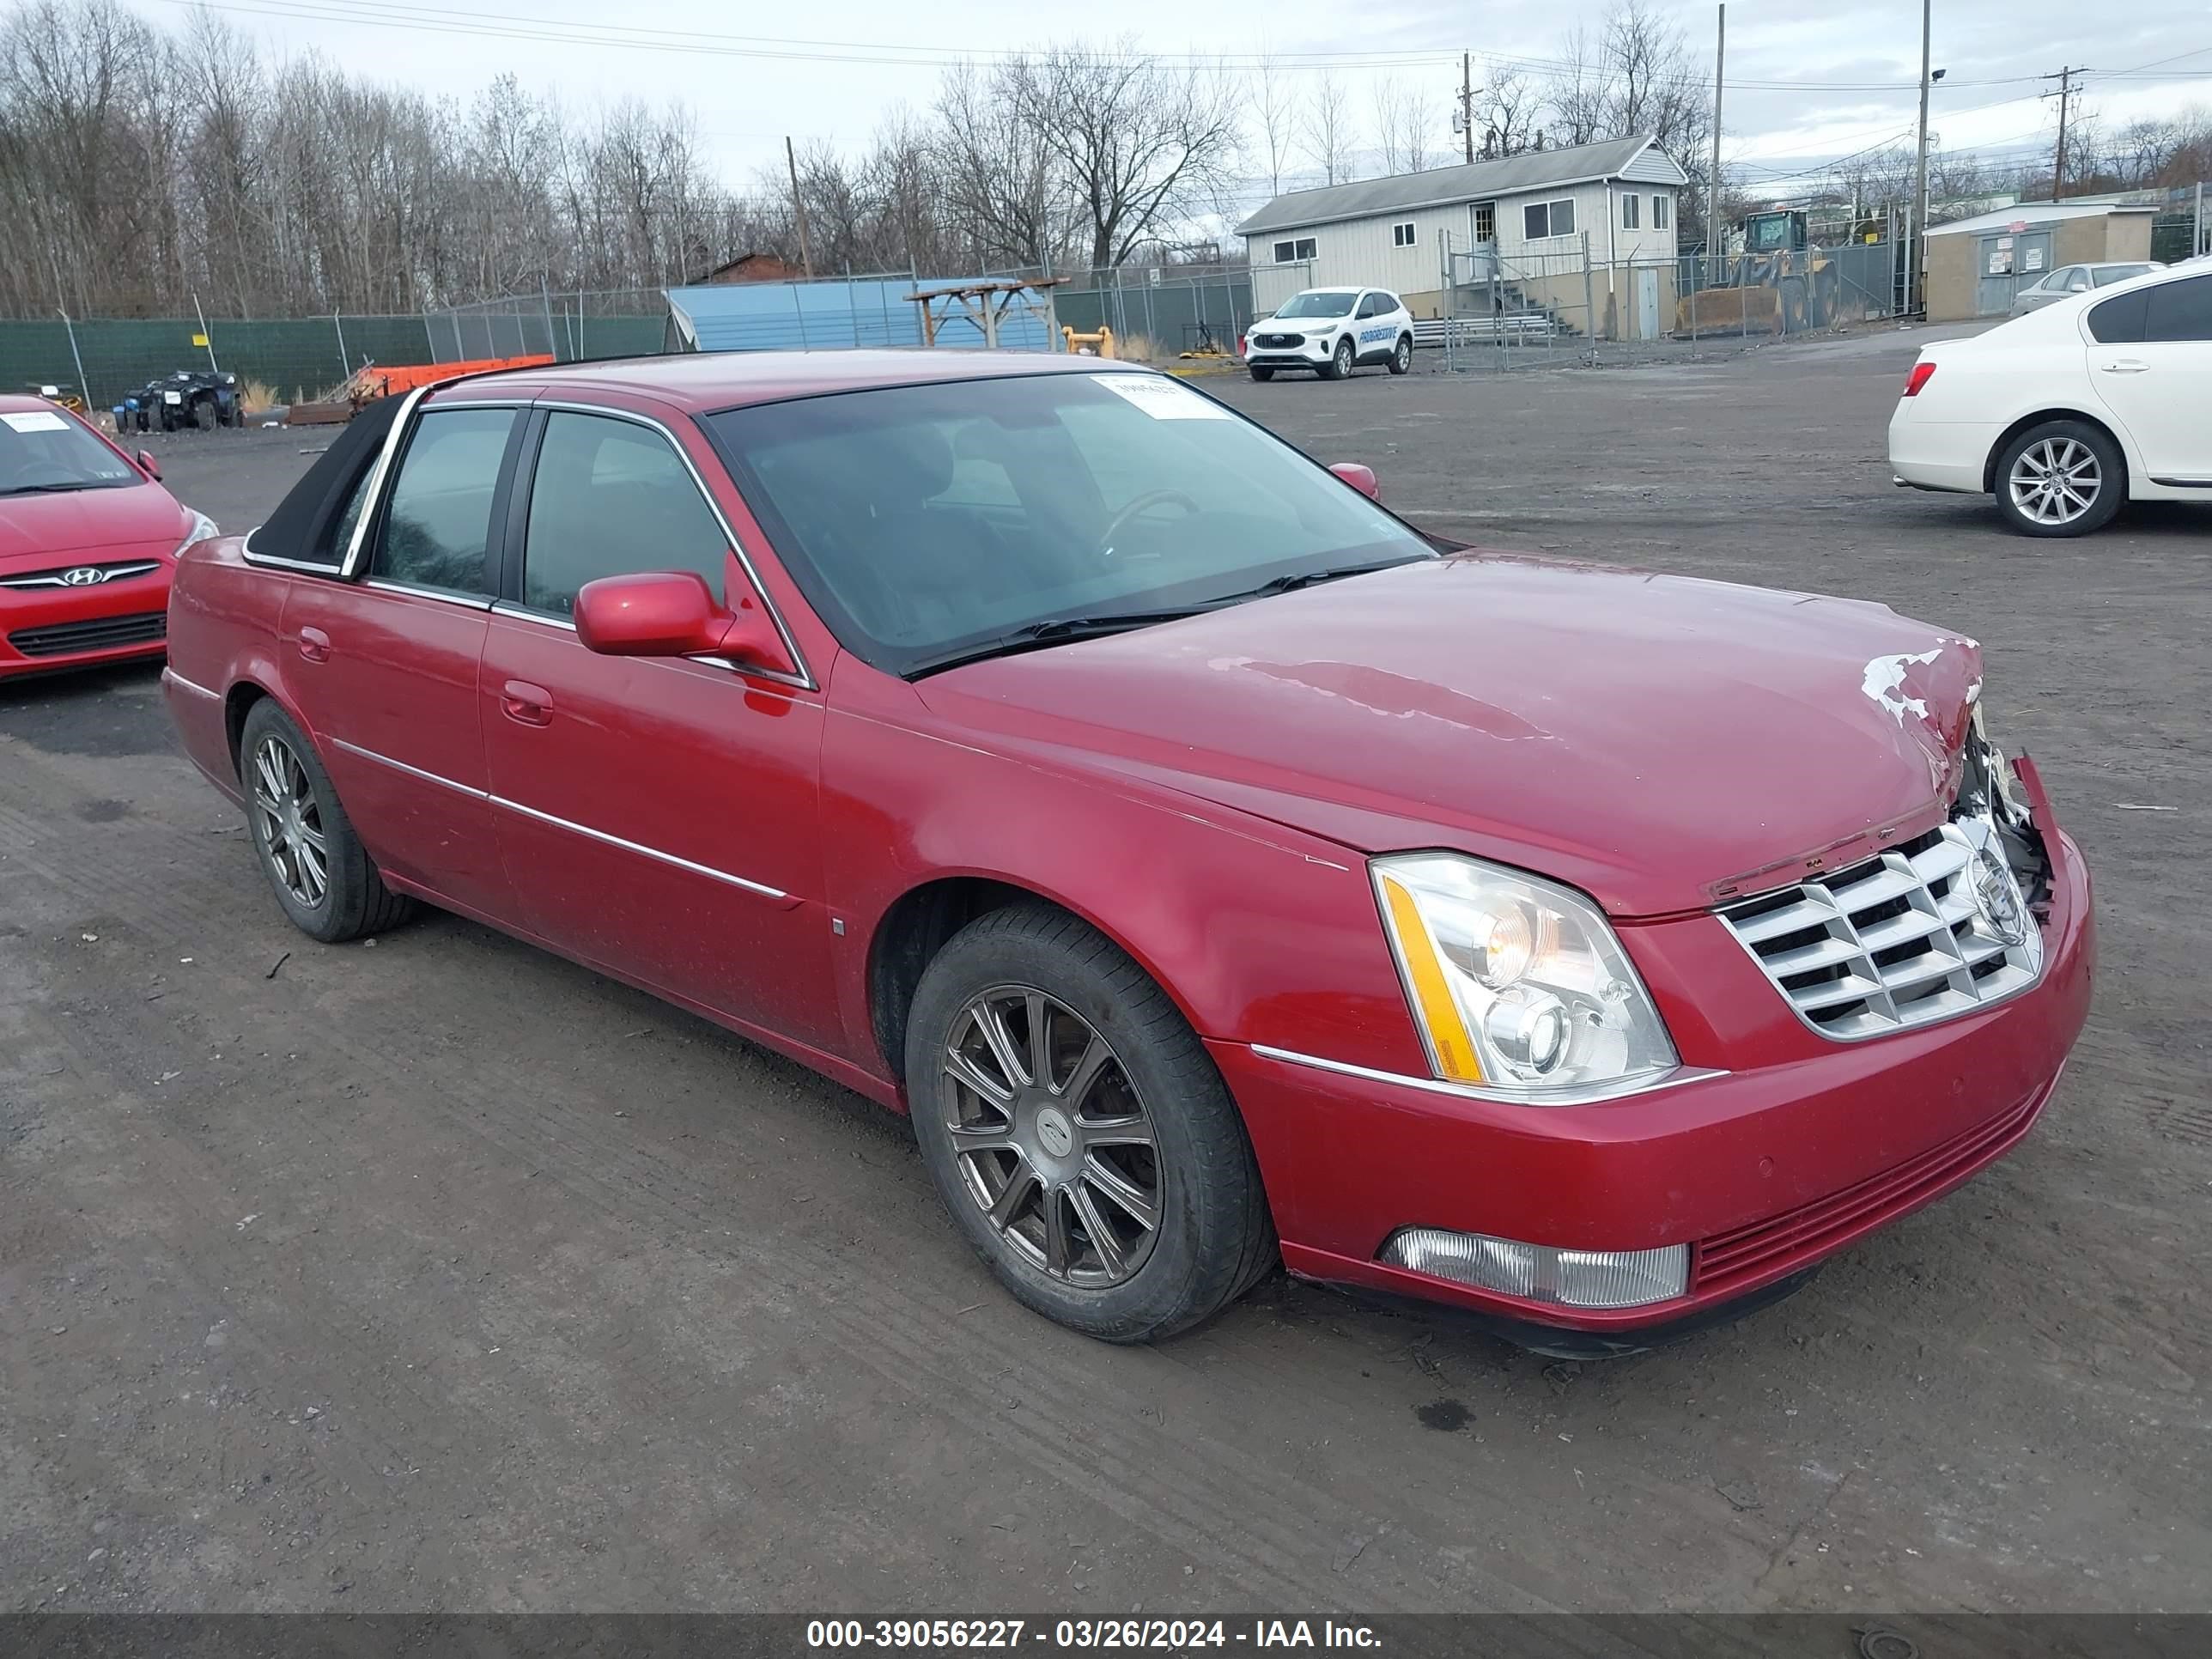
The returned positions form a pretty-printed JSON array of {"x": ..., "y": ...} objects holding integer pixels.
[
  {"x": 526, "y": 704},
  {"x": 314, "y": 644},
  {"x": 2127, "y": 365}
]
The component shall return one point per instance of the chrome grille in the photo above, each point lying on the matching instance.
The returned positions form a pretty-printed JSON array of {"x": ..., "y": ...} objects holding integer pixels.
[{"x": 1926, "y": 931}]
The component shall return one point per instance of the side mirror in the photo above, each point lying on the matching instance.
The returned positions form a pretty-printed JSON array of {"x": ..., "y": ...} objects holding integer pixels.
[
  {"x": 672, "y": 613},
  {"x": 149, "y": 465},
  {"x": 1361, "y": 478}
]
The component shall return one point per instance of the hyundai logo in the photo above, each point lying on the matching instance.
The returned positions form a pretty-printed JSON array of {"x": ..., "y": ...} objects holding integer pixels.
[{"x": 85, "y": 575}]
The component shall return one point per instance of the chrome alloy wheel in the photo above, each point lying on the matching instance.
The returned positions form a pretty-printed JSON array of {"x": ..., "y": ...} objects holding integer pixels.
[
  {"x": 1051, "y": 1139},
  {"x": 291, "y": 822},
  {"x": 2056, "y": 481}
]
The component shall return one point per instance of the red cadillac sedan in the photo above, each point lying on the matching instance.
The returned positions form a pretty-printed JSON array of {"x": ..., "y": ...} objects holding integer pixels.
[
  {"x": 87, "y": 541},
  {"x": 1218, "y": 869}
]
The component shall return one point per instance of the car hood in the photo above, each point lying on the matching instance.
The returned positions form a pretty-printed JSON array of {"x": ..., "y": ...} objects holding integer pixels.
[
  {"x": 1661, "y": 742},
  {"x": 35, "y": 529}
]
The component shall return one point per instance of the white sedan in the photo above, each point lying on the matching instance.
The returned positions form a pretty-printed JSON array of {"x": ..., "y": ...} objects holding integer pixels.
[{"x": 2066, "y": 413}]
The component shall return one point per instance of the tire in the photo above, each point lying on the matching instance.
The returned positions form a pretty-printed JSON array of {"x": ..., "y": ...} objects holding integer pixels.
[
  {"x": 351, "y": 900},
  {"x": 1402, "y": 358},
  {"x": 1172, "y": 1138},
  {"x": 1341, "y": 362},
  {"x": 205, "y": 415},
  {"x": 2072, "y": 454},
  {"x": 1261, "y": 373}
]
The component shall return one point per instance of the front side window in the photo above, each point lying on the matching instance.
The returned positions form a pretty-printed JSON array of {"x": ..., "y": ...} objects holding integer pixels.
[
  {"x": 43, "y": 453},
  {"x": 2077, "y": 282},
  {"x": 610, "y": 498},
  {"x": 1370, "y": 305},
  {"x": 438, "y": 526},
  {"x": 1133, "y": 495},
  {"x": 1629, "y": 205}
]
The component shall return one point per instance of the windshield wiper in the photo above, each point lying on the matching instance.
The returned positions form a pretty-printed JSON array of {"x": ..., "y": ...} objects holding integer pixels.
[
  {"x": 46, "y": 489},
  {"x": 1055, "y": 630},
  {"x": 1306, "y": 578}
]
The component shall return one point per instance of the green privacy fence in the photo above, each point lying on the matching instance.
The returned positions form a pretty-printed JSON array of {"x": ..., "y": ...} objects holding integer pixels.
[{"x": 298, "y": 357}]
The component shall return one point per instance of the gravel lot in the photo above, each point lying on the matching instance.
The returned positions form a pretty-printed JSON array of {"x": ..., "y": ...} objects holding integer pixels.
[{"x": 439, "y": 1273}]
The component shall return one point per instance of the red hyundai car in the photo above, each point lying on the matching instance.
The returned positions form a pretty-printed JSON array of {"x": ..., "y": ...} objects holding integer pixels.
[
  {"x": 1218, "y": 869},
  {"x": 89, "y": 539}
]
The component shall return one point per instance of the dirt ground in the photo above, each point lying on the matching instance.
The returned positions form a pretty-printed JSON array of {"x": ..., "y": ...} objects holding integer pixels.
[{"x": 436, "y": 1273}]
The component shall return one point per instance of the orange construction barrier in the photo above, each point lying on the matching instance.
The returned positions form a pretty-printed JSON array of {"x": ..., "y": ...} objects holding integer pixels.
[{"x": 380, "y": 382}]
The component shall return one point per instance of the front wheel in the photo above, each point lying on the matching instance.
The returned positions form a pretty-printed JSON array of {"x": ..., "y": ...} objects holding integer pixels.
[
  {"x": 321, "y": 874},
  {"x": 1401, "y": 359},
  {"x": 1262, "y": 372},
  {"x": 1341, "y": 361},
  {"x": 2061, "y": 478},
  {"x": 1078, "y": 1133}
]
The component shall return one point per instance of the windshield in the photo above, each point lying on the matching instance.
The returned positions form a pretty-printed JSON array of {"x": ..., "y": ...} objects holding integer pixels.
[
  {"x": 928, "y": 523},
  {"x": 43, "y": 449},
  {"x": 2104, "y": 273},
  {"x": 1314, "y": 303}
]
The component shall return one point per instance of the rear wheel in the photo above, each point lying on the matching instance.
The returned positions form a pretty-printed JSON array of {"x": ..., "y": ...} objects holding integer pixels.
[
  {"x": 1261, "y": 373},
  {"x": 1341, "y": 361},
  {"x": 2061, "y": 478},
  {"x": 205, "y": 414},
  {"x": 1078, "y": 1133},
  {"x": 321, "y": 874},
  {"x": 1401, "y": 359}
]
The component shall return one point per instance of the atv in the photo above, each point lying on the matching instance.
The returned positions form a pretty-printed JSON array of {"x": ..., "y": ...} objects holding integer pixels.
[{"x": 203, "y": 397}]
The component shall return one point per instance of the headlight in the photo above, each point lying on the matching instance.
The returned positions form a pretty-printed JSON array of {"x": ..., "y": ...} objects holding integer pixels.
[
  {"x": 1517, "y": 984},
  {"x": 203, "y": 528}
]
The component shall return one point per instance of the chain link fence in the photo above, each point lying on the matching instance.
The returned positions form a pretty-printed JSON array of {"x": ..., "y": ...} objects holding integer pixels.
[{"x": 296, "y": 359}]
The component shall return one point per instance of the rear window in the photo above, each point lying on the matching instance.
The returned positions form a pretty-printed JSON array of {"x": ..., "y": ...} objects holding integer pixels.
[{"x": 2118, "y": 320}]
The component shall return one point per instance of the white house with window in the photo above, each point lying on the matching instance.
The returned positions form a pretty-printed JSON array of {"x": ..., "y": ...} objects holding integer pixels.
[{"x": 1425, "y": 235}]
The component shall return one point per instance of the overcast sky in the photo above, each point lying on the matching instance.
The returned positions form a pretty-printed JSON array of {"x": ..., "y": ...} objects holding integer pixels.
[{"x": 1808, "y": 80}]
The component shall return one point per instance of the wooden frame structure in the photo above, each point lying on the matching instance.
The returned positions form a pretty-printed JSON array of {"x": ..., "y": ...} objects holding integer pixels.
[{"x": 985, "y": 304}]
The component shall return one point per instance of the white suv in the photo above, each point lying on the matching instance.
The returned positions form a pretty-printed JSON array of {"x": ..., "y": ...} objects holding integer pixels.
[{"x": 1332, "y": 331}]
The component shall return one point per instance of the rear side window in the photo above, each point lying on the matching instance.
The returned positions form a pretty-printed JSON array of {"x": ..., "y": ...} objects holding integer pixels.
[
  {"x": 2118, "y": 320},
  {"x": 610, "y": 498},
  {"x": 2179, "y": 311},
  {"x": 438, "y": 526}
]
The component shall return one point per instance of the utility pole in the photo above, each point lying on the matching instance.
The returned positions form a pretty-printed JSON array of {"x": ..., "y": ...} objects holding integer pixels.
[
  {"x": 1917, "y": 251},
  {"x": 2065, "y": 93},
  {"x": 1715, "y": 242},
  {"x": 798, "y": 208},
  {"x": 1466, "y": 101}
]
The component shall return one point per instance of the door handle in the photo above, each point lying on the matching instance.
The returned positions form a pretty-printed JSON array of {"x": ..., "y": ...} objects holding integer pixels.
[
  {"x": 526, "y": 704},
  {"x": 2126, "y": 366},
  {"x": 314, "y": 644}
]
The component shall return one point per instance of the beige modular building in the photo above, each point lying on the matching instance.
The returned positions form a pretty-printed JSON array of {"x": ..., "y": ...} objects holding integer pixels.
[{"x": 1976, "y": 265}]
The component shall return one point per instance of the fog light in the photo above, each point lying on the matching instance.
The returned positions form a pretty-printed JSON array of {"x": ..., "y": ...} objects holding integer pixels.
[{"x": 1573, "y": 1279}]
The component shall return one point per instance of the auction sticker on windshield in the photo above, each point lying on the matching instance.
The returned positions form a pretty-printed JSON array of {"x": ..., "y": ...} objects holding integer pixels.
[
  {"x": 1162, "y": 399},
  {"x": 36, "y": 420}
]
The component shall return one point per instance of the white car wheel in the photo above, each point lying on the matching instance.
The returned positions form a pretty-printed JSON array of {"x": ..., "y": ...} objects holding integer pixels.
[{"x": 2061, "y": 478}]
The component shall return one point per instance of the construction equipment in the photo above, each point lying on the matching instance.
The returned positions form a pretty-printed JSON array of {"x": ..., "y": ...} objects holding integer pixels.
[{"x": 1781, "y": 283}]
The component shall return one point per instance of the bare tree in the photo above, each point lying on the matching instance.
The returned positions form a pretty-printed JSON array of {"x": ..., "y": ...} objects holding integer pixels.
[
  {"x": 1276, "y": 114},
  {"x": 1390, "y": 123},
  {"x": 1509, "y": 112},
  {"x": 1327, "y": 127},
  {"x": 1138, "y": 142},
  {"x": 1003, "y": 196}
]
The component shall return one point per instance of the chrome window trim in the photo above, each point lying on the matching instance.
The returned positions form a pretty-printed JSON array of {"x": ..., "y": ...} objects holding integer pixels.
[
  {"x": 584, "y": 830},
  {"x": 445, "y": 595},
  {"x": 522, "y": 613},
  {"x": 805, "y": 678},
  {"x": 1673, "y": 1079},
  {"x": 271, "y": 562}
]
